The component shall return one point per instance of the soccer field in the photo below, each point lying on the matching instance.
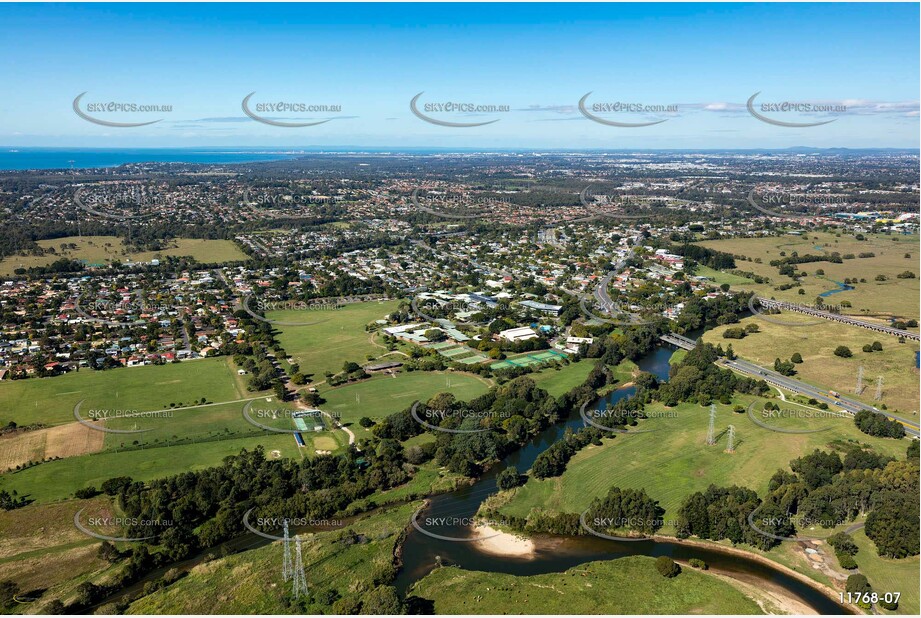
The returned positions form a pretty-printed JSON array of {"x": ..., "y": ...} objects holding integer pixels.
[
  {"x": 151, "y": 387},
  {"x": 338, "y": 336},
  {"x": 384, "y": 395}
]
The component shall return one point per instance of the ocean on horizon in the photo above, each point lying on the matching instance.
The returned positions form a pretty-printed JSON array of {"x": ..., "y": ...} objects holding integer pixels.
[{"x": 61, "y": 158}]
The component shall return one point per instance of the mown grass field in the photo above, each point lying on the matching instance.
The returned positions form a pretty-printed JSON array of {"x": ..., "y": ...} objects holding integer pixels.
[
  {"x": 106, "y": 249},
  {"x": 558, "y": 381},
  {"x": 339, "y": 336},
  {"x": 888, "y": 575},
  {"x": 674, "y": 461},
  {"x": 57, "y": 480},
  {"x": 895, "y": 296},
  {"x": 251, "y": 583},
  {"x": 624, "y": 586},
  {"x": 152, "y": 387},
  {"x": 381, "y": 396},
  {"x": 816, "y": 343}
]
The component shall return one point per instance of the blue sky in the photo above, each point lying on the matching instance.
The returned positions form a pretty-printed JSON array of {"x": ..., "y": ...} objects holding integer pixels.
[{"x": 537, "y": 59}]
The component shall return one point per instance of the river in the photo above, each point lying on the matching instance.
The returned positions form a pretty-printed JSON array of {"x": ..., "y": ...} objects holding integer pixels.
[{"x": 421, "y": 552}]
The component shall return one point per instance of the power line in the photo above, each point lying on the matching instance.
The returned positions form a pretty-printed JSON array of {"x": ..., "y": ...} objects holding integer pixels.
[{"x": 299, "y": 583}]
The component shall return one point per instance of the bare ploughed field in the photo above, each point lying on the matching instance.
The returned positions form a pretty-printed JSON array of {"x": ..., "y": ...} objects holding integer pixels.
[{"x": 67, "y": 440}]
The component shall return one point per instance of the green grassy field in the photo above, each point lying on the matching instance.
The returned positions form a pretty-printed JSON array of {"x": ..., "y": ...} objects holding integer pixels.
[
  {"x": 674, "y": 462},
  {"x": 892, "y": 297},
  {"x": 719, "y": 277},
  {"x": 42, "y": 550},
  {"x": 325, "y": 346},
  {"x": 152, "y": 387},
  {"x": 57, "y": 480},
  {"x": 105, "y": 249},
  {"x": 816, "y": 343},
  {"x": 383, "y": 395},
  {"x": 558, "y": 381},
  {"x": 250, "y": 582},
  {"x": 194, "y": 423},
  {"x": 887, "y": 575},
  {"x": 624, "y": 586}
]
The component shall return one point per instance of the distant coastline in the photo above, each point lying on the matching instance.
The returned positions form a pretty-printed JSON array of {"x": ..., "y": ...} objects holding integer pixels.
[{"x": 20, "y": 158}]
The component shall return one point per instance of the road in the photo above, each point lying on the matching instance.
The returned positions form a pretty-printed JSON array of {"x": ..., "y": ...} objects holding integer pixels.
[
  {"x": 601, "y": 290},
  {"x": 851, "y": 406},
  {"x": 286, "y": 380}
]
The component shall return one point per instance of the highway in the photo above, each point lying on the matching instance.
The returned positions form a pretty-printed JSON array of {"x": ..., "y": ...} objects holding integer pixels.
[{"x": 851, "y": 406}]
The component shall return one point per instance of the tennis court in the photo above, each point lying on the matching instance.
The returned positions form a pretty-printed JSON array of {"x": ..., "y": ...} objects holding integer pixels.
[{"x": 537, "y": 358}]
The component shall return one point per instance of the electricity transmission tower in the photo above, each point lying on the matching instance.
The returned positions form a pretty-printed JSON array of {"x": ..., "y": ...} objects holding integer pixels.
[
  {"x": 286, "y": 569},
  {"x": 711, "y": 440},
  {"x": 730, "y": 448},
  {"x": 859, "y": 388},
  {"x": 299, "y": 580},
  {"x": 879, "y": 388}
]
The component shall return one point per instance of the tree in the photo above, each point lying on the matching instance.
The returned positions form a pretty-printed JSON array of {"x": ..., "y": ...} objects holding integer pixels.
[
  {"x": 382, "y": 600},
  {"x": 796, "y": 358},
  {"x": 508, "y": 478},
  {"x": 55, "y": 608},
  {"x": 843, "y": 543},
  {"x": 893, "y": 525},
  {"x": 843, "y": 351},
  {"x": 88, "y": 593},
  {"x": 667, "y": 567},
  {"x": 857, "y": 584},
  {"x": 366, "y": 422}
]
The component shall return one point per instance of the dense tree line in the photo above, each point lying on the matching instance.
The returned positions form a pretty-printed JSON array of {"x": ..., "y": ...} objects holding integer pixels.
[
  {"x": 879, "y": 425},
  {"x": 821, "y": 490}
]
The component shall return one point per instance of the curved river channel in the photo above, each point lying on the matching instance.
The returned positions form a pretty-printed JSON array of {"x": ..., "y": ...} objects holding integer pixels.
[{"x": 422, "y": 552}]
